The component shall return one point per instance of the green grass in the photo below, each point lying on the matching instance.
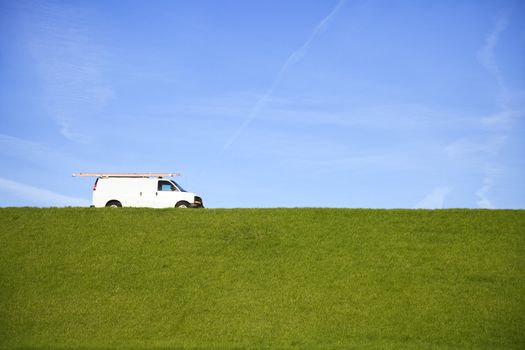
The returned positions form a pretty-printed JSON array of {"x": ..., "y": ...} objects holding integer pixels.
[{"x": 261, "y": 279}]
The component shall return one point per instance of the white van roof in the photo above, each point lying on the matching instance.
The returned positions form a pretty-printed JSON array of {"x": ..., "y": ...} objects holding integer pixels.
[{"x": 159, "y": 175}]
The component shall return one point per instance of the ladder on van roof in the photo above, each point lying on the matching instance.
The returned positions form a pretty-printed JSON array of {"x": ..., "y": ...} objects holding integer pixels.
[{"x": 159, "y": 175}]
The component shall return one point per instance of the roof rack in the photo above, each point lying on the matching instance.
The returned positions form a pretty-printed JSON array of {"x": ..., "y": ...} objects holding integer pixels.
[{"x": 127, "y": 174}]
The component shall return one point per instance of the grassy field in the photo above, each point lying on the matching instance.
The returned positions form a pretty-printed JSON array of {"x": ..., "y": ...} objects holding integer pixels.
[{"x": 261, "y": 279}]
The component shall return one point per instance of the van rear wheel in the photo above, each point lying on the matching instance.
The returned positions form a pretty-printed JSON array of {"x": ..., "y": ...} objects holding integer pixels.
[
  {"x": 182, "y": 204},
  {"x": 113, "y": 204}
]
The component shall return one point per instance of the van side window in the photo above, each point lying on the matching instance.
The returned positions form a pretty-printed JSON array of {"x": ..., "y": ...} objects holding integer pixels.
[{"x": 166, "y": 186}]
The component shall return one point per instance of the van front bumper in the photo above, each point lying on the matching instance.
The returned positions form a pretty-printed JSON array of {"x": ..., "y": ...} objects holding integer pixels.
[{"x": 197, "y": 203}]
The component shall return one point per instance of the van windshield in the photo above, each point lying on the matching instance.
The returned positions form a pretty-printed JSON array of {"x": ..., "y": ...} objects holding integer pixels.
[{"x": 178, "y": 186}]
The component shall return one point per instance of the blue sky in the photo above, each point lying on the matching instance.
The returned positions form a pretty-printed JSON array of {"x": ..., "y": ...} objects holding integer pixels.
[{"x": 382, "y": 104}]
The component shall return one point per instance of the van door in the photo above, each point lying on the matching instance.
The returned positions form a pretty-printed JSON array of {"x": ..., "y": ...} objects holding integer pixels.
[
  {"x": 166, "y": 194},
  {"x": 147, "y": 193}
]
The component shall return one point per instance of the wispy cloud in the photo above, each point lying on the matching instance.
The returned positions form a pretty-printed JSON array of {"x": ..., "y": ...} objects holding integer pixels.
[
  {"x": 39, "y": 196},
  {"x": 511, "y": 111},
  {"x": 37, "y": 153},
  {"x": 292, "y": 59},
  {"x": 483, "y": 200},
  {"x": 27, "y": 150},
  {"x": 475, "y": 147},
  {"x": 486, "y": 53},
  {"x": 408, "y": 117},
  {"x": 435, "y": 199},
  {"x": 496, "y": 124},
  {"x": 486, "y": 147},
  {"x": 70, "y": 64}
]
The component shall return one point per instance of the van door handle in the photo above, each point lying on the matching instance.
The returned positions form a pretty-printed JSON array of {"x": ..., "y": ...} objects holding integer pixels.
[
  {"x": 141, "y": 193},
  {"x": 156, "y": 193}
]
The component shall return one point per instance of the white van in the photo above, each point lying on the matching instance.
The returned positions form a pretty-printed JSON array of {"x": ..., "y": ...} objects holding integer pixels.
[{"x": 140, "y": 190}]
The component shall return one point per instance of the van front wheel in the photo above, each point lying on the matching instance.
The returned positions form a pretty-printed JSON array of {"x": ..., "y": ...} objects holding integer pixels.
[
  {"x": 182, "y": 204},
  {"x": 113, "y": 204}
]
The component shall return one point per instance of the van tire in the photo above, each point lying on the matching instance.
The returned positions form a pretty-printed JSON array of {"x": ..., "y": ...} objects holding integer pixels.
[
  {"x": 113, "y": 204},
  {"x": 182, "y": 204}
]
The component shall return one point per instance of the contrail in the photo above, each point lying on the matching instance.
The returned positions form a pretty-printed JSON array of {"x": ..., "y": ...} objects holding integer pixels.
[{"x": 293, "y": 58}]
